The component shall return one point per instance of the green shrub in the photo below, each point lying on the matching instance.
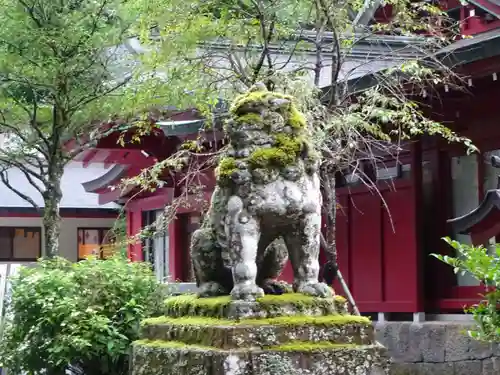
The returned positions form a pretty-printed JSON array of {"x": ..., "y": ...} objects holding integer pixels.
[
  {"x": 485, "y": 267},
  {"x": 79, "y": 317}
]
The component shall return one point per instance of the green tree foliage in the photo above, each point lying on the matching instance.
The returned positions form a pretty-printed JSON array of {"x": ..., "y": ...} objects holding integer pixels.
[
  {"x": 484, "y": 265},
  {"x": 310, "y": 50},
  {"x": 78, "y": 317},
  {"x": 65, "y": 70}
]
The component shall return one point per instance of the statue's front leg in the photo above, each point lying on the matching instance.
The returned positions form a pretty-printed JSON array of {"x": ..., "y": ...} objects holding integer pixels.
[
  {"x": 303, "y": 248},
  {"x": 244, "y": 232}
]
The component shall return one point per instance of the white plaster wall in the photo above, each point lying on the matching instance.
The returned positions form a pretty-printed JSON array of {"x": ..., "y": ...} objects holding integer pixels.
[{"x": 69, "y": 230}]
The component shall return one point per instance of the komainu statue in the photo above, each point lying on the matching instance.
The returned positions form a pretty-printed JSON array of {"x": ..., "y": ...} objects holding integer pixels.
[{"x": 266, "y": 206}]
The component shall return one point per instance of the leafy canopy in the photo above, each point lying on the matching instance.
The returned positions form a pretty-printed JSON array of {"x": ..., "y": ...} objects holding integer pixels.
[{"x": 68, "y": 65}]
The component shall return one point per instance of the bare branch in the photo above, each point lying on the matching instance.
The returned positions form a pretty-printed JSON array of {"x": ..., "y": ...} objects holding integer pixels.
[{"x": 5, "y": 179}]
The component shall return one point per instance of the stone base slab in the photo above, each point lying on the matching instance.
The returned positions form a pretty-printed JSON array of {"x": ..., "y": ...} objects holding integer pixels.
[
  {"x": 167, "y": 358},
  {"x": 227, "y": 334}
]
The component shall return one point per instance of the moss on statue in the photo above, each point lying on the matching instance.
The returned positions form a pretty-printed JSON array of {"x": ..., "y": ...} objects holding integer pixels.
[
  {"x": 291, "y": 145},
  {"x": 270, "y": 157},
  {"x": 284, "y": 154},
  {"x": 256, "y": 97},
  {"x": 285, "y": 148},
  {"x": 296, "y": 119},
  {"x": 249, "y": 118},
  {"x": 227, "y": 166},
  {"x": 254, "y": 100}
]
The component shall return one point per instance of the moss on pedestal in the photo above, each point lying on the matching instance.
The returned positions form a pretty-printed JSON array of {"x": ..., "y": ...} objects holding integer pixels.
[
  {"x": 232, "y": 334},
  {"x": 337, "y": 343},
  {"x": 271, "y": 305},
  {"x": 293, "y": 346},
  {"x": 170, "y": 344},
  {"x": 307, "y": 346},
  {"x": 298, "y": 320}
]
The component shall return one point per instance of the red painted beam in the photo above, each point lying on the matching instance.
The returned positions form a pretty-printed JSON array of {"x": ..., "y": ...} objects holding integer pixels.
[
  {"x": 109, "y": 196},
  {"x": 89, "y": 155},
  {"x": 158, "y": 200}
]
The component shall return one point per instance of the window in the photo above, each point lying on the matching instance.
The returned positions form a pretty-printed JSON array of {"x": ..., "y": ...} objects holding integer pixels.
[
  {"x": 20, "y": 244},
  {"x": 472, "y": 176},
  {"x": 95, "y": 241},
  {"x": 383, "y": 172},
  {"x": 156, "y": 248},
  {"x": 465, "y": 192}
]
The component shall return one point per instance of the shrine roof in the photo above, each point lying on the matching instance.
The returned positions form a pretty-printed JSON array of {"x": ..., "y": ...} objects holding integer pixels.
[
  {"x": 468, "y": 50},
  {"x": 483, "y": 222},
  {"x": 462, "y": 52},
  {"x": 489, "y": 6},
  {"x": 74, "y": 194},
  {"x": 174, "y": 128},
  {"x": 112, "y": 174},
  {"x": 464, "y": 224}
]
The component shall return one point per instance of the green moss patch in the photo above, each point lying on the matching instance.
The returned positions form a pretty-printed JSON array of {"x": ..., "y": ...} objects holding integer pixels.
[
  {"x": 231, "y": 334},
  {"x": 272, "y": 305},
  {"x": 297, "y": 320},
  {"x": 226, "y": 167},
  {"x": 240, "y": 108},
  {"x": 285, "y": 153},
  {"x": 249, "y": 109},
  {"x": 171, "y": 345},
  {"x": 296, "y": 119},
  {"x": 256, "y": 98},
  {"x": 270, "y": 157},
  {"x": 292, "y": 346},
  {"x": 306, "y": 346},
  {"x": 249, "y": 118}
]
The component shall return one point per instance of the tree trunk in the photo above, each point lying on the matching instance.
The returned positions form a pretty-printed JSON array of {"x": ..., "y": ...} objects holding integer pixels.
[{"x": 51, "y": 216}]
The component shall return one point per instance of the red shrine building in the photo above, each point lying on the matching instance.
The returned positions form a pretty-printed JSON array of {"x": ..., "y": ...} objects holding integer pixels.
[{"x": 384, "y": 238}]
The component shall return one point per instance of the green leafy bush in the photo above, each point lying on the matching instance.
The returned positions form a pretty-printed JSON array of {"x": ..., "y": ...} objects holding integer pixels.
[
  {"x": 77, "y": 317},
  {"x": 485, "y": 267}
]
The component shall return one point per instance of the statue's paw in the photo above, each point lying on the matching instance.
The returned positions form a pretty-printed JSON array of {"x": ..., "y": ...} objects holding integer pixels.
[
  {"x": 314, "y": 289},
  {"x": 211, "y": 289},
  {"x": 272, "y": 286},
  {"x": 246, "y": 292}
]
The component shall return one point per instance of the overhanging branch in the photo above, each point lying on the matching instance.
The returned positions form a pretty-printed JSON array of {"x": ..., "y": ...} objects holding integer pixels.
[{"x": 5, "y": 179}]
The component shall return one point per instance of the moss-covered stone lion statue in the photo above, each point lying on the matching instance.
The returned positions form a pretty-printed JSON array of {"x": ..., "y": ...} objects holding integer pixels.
[{"x": 266, "y": 206}]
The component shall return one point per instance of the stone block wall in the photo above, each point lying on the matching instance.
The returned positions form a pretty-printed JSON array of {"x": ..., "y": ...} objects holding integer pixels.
[{"x": 437, "y": 348}]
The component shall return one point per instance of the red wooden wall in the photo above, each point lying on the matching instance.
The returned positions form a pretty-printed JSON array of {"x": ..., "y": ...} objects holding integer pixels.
[{"x": 379, "y": 259}]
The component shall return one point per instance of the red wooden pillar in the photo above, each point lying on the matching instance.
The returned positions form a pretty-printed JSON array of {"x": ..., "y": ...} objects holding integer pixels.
[
  {"x": 134, "y": 226},
  {"x": 417, "y": 182},
  {"x": 173, "y": 266}
]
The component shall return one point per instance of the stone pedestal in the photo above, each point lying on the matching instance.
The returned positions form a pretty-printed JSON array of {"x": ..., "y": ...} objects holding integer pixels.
[{"x": 279, "y": 335}]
